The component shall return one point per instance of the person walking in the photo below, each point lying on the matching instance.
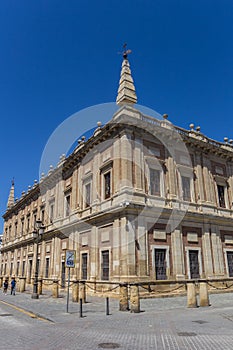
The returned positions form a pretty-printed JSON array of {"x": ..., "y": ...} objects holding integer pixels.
[
  {"x": 13, "y": 285},
  {"x": 5, "y": 286}
]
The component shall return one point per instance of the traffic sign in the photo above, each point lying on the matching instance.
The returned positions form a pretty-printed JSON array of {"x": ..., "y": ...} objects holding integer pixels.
[{"x": 70, "y": 258}]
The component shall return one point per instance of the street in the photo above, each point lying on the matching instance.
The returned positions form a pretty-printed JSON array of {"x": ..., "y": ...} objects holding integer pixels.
[{"x": 164, "y": 323}]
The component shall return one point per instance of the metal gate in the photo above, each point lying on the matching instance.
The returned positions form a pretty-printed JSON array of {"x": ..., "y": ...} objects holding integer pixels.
[
  {"x": 194, "y": 264},
  {"x": 230, "y": 263},
  {"x": 160, "y": 264}
]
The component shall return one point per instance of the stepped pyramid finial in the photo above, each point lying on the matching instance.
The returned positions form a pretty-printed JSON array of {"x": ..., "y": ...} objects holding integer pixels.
[
  {"x": 11, "y": 198},
  {"x": 126, "y": 91}
]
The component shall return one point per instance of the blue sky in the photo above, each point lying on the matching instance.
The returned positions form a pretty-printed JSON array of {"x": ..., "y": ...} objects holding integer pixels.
[{"x": 59, "y": 57}]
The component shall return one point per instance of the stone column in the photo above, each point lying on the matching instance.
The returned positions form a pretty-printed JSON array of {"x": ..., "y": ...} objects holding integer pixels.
[
  {"x": 178, "y": 255},
  {"x": 75, "y": 291},
  {"x": 203, "y": 294},
  {"x": 218, "y": 262},
  {"x": 200, "y": 184},
  {"x": 22, "y": 284},
  {"x": 82, "y": 291},
  {"x": 171, "y": 178},
  {"x": 126, "y": 163},
  {"x": 138, "y": 164},
  {"x": 191, "y": 295},
  {"x": 55, "y": 288},
  {"x": 124, "y": 303},
  {"x": 207, "y": 256},
  {"x": 1, "y": 279},
  {"x": 134, "y": 298}
]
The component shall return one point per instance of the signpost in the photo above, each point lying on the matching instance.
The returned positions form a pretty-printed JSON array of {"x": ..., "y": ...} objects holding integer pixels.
[{"x": 70, "y": 263}]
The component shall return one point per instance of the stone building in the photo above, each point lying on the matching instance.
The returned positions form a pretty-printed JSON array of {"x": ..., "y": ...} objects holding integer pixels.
[{"x": 140, "y": 200}]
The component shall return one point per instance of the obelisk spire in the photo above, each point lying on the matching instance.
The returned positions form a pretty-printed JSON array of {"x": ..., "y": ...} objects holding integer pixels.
[
  {"x": 11, "y": 198},
  {"x": 126, "y": 91}
]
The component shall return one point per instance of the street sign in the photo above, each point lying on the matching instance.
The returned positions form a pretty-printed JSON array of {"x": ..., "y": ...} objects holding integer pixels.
[{"x": 70, "y": 258}]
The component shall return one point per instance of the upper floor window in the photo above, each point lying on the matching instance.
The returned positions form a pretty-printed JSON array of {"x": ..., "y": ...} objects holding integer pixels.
[
  {"x": 28, "y": 223},
  {"x": 186, "y": 188},
  {"x": 221, "y": 196},
  {"x": 107, "y": 185},
  {"x": 16, "y": 228},
  {"x": 155, "y": 182},
  {"x": 51, "y": 212},
  {"x": 87, "y": 195},
  {"x": 22, "y": 225},
  {"x": 42, "y": 215},
  {"x": 67, "y": 205}
]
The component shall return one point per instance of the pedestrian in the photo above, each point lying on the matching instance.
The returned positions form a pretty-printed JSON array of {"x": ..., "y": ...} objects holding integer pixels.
[
  {"x": 13, "y": 285},
  {"x": 5, "y": 286}
]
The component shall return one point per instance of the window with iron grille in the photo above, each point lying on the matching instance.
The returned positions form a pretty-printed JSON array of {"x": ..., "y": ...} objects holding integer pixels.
[
  {"x": 105, "y": 265},
  {"x": 46, "y": 267},
  {"x": 186, "y": 188},
  {"x": 17, "y": 269},
  {"x": 23, "y": 268},
  {"x": 11, "y": 269},
  {"x": 221, "y": 196},
  {"x": 155, "y": 182},
  {"x": 84, "y": 266}
]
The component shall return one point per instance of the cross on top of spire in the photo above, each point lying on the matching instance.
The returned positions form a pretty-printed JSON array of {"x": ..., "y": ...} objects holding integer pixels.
[
  {"x": 126, "y": 92},
  {"x": 125, "y": 52}
]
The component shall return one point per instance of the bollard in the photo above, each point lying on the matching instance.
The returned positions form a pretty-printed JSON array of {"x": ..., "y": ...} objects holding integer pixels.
[
  {"x": 40, "y": 286},
  {"x": 82, "y": 291},
  {"x": 81, "y": 308},
  {"x": 75, "y": 291},
  {"x": 134, "y": 298},
  {"x": 124, "y": 302},
  {"x": 203, "y": 294},
  {"x": 191, "y": 295},
  {"x": 22, "y": 284},
  {"x": 55, "y": 289},
  {"x": 107, "y": 306}
]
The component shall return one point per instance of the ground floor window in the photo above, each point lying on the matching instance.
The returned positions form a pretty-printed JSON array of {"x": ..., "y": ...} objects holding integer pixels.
[
  {"x": 160, "y": 264},
  {"x": 63, "y": 274},
  {"x": 230, "y": 263},
  {"x": 46, "y": 267},
  {"x": 194, "y": 264},
  {"x": 30, "y": 269},
  {"x": 105, "y": 265},
  {"x": 23, "y": 268},
  {"x": 84, "y": 266}
]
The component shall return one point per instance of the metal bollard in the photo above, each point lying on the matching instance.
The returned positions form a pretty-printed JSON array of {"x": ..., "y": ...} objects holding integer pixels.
[
  {"x": 80, "y": 307},
  {"x": 107, "y": 306}
]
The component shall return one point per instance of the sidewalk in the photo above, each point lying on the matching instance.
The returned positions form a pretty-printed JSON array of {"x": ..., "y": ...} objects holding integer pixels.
[
  {"x": 164, "y": 323},
  {"x": 55, "y": 309}
]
